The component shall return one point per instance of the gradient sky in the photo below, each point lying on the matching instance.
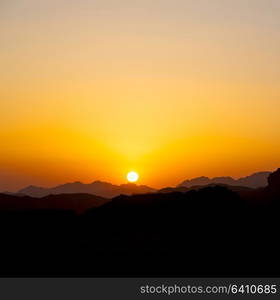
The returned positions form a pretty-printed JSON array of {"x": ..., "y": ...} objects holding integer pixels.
[{"x": 171, "y": 89}]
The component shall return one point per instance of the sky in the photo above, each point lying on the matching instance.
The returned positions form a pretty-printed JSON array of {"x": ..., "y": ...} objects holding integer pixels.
[{"x": 90, "y": 90}]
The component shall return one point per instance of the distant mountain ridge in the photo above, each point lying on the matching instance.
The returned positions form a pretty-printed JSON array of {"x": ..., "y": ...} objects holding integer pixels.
[
  {"x": 74, "y": 202},
  {"x": 108, "y": 190},
  {"x": 255, "y": 180},
  {"x": 98, "y": 188}
]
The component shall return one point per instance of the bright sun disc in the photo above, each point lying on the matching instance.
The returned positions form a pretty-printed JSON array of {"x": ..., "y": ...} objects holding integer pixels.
[{"x": 132, "y": 176}]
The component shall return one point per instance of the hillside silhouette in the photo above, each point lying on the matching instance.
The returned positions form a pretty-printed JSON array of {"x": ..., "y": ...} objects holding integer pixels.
[
  {"x": 208, "y": 231},
  {"x": 98, "y": 188},
  {"x": 108, "y": 190},
  {"x": 75, "y": 202},
  {"x": 183, "y": 189}
]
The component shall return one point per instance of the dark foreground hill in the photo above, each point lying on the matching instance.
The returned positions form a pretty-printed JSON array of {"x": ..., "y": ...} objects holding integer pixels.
[
  {"x": 255, "y": 180},
  {"x": 211, "y": 231},
  {"x": 108, "y": 190}
]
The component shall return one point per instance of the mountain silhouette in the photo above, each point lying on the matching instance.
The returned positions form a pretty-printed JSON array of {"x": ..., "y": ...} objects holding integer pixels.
[
  {"x": 183, "y": 189},
  {"x": 204, "y": 231},
  {"x": 98, "y": 188},
  {"x": 75, "y": 202},
  {"x": 255, "y": 180},
  {"x": 274, "y": 181},
  {"x": 108, "y": 190}
]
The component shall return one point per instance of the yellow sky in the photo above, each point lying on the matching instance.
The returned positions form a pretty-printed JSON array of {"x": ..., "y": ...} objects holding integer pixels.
[{"x": 171, "y": 89}]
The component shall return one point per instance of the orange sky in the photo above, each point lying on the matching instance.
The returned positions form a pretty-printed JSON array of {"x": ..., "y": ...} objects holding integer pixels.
[{"x": 171, "y": 89}]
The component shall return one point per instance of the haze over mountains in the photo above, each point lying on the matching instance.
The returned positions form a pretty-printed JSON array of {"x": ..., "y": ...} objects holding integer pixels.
[
  {"x": 108, "y": 190},
  {"x": 78, "y": 203}
]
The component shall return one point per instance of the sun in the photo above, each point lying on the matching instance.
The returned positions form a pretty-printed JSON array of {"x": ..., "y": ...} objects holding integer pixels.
[{"x": 132, "y": 176}]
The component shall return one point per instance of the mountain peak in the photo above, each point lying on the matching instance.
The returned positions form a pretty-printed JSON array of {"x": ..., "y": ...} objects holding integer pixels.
[{"x": 255, "y": 180}]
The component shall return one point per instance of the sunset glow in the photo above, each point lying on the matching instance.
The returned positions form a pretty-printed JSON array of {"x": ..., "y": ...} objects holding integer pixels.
[
  {"x": 175, "y": 89},
  {"x": 132, "y": 176}
]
